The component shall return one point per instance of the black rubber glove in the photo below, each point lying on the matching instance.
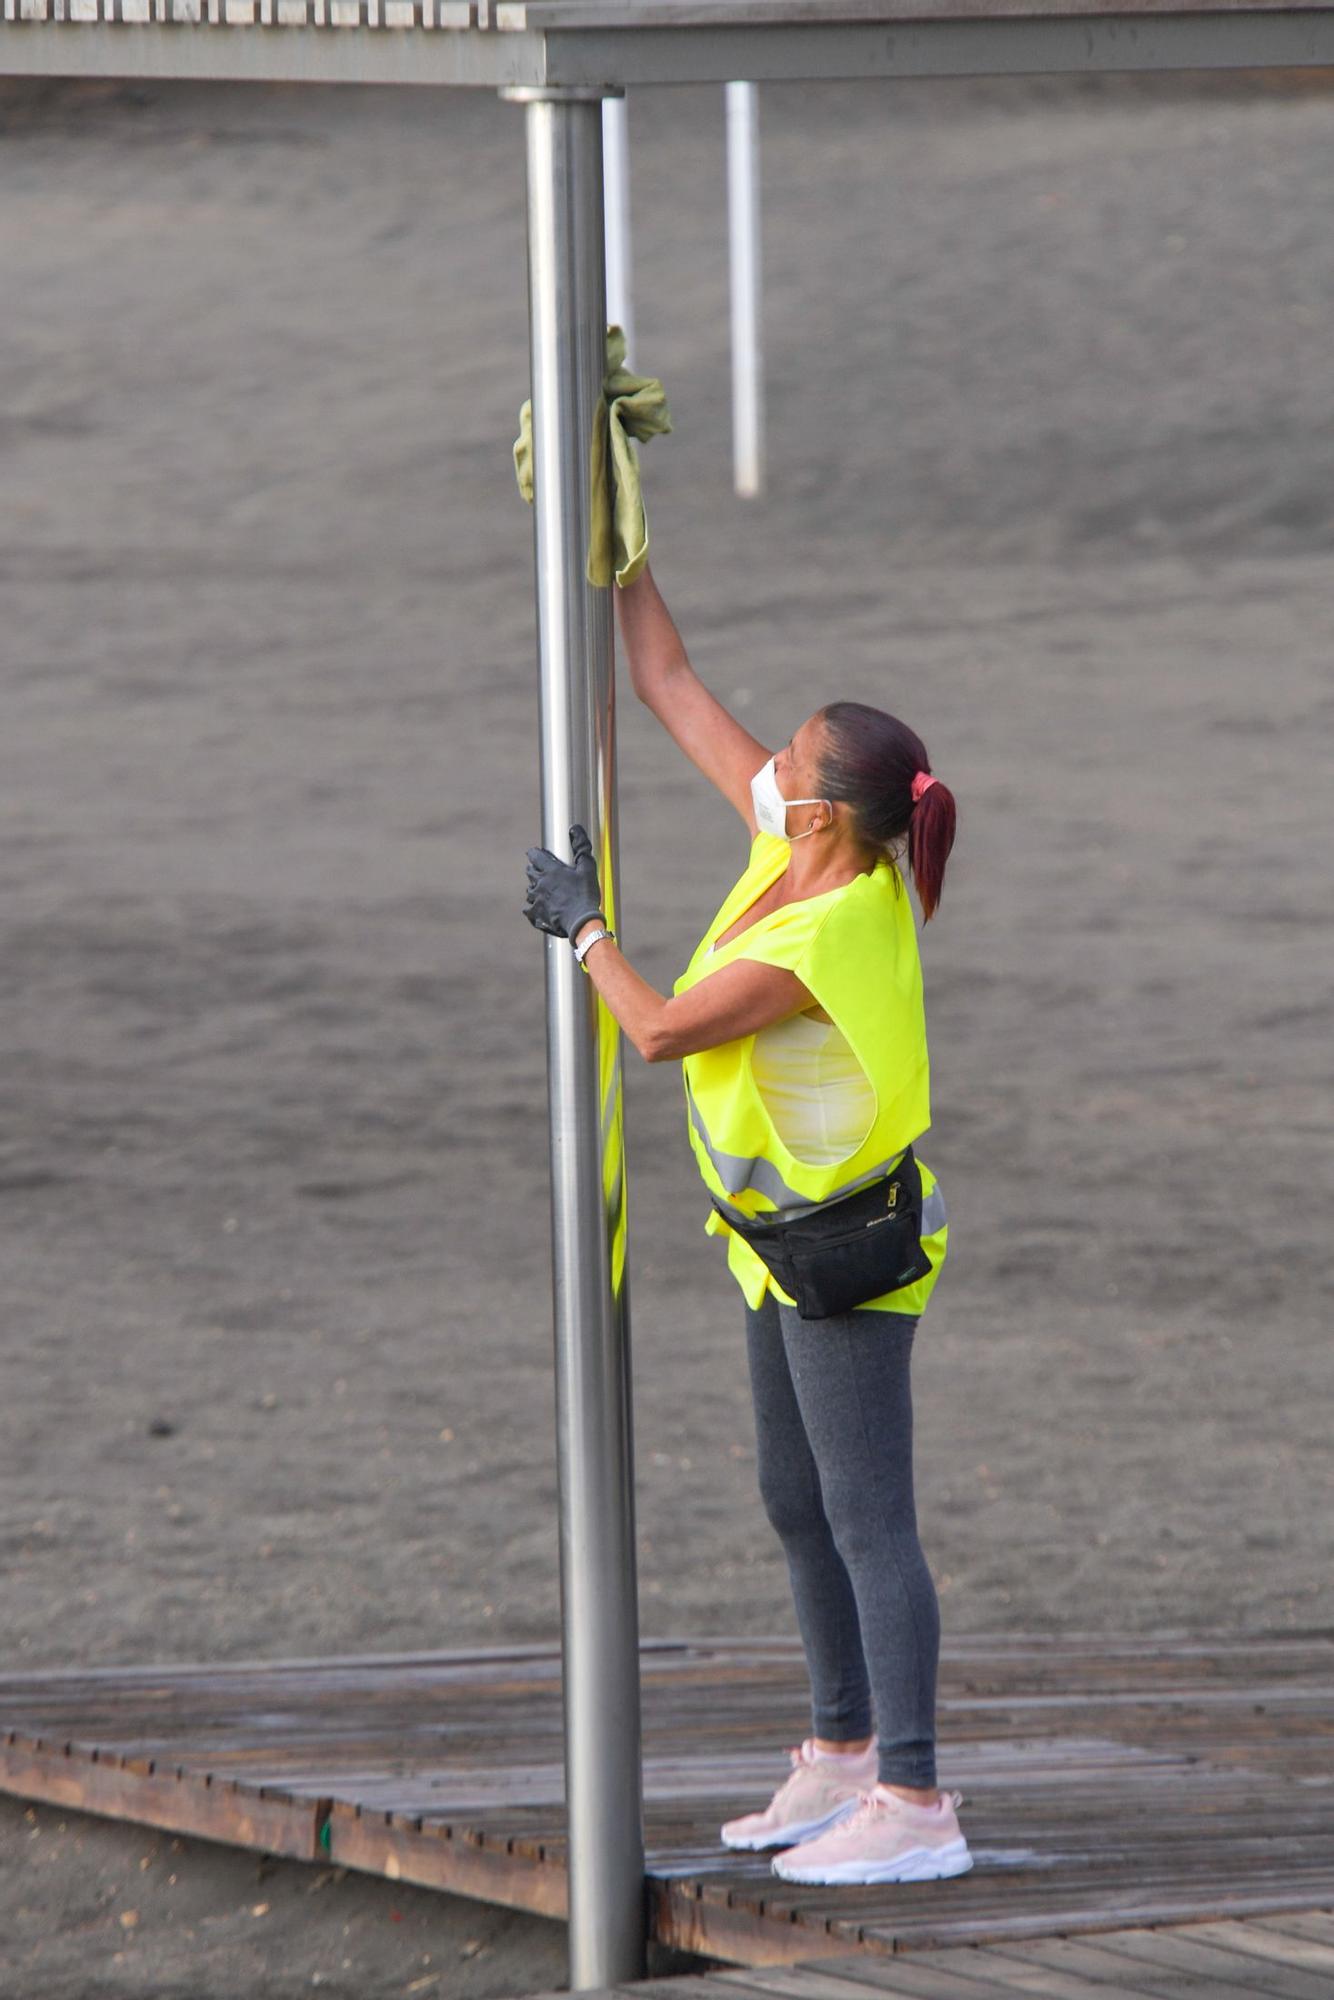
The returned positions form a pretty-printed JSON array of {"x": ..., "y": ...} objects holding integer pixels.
[{"x": 563, "y": 896}]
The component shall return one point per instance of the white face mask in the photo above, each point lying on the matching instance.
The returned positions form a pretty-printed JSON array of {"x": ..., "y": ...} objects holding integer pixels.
[{"x": 771, "y": 807}]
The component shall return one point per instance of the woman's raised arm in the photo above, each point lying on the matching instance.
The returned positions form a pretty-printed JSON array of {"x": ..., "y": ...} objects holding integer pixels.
[{"x": 665, "y": 681}]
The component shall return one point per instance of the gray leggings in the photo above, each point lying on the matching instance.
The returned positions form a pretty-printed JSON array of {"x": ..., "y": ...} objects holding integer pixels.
[{"x": 833, "y": 1422}]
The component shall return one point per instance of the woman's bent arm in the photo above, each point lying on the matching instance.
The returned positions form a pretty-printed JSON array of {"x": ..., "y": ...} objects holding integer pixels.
[
  {"x": 663, "y": 678},
  {"x": 739, "y": 999}
]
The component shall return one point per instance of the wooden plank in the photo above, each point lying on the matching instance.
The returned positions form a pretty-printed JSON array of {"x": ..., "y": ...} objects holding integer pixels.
[
  {"x": 685, "y": 1918},
  {"x": 711, "y": 1985},
  {"x": 1314, "y": 1923},
  {"x": 809, "y": 1980},
  {"x": 677, "y": 1987},
  {"x": 1184, "y": 1952},
  {"x": 1109, "y": 1910},
  {"x": 1171, "y": 1955},
  {"x": 1050, "y": 1981},
  {"x": 1250, "y": 1940},
  {"x": 976, "y": 1963},
  {"x": 382, "y": 1844},
  {"x": 1163, "y": 1962},
  {"x": 908, "y": 1974},
  {"x": 167, "y": 1797},
  {"x": 953, "y": 1975},
  {"x": 1162, "y": 1965},
  {"x": 705, "y": 1985},
  {"x": 457, "y": 1659}
]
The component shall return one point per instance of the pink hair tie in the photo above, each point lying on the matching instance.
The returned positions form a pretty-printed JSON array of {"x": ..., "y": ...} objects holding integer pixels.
[{"x": 921, "y": 783}]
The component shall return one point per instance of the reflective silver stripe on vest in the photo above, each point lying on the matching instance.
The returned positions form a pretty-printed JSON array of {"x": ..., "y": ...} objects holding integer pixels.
[
  {"x": 933, "y": 1212},
  {"x": 736, "y": 1173}
]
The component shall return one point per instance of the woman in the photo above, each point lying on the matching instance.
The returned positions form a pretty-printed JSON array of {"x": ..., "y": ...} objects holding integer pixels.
[{"x": 799, "y": 1024}]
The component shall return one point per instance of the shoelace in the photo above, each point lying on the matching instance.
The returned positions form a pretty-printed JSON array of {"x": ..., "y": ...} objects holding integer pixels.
[
  {"x": 871, "y": 1806},
  {"x": 798, "y": 1763}
]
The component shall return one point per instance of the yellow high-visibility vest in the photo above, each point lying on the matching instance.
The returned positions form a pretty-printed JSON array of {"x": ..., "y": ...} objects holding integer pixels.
[{"x": 855, "y": 950}]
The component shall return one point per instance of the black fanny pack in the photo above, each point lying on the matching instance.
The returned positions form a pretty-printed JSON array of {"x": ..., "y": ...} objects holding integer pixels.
[{"x": 846, "y": 1251}]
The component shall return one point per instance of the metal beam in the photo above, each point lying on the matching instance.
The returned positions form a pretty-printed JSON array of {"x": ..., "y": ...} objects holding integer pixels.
[
  {"x": 599, "y": 1612},
  {"x": 411, "y": 41},
  {"x": 1036, "y": 46}
]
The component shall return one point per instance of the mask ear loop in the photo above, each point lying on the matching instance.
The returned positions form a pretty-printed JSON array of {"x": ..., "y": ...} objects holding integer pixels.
[{"x": 789, "y": 803}]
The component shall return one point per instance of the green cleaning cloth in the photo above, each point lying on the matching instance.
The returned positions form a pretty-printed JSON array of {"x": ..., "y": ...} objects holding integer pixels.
[{"x": 630, "y": 406}]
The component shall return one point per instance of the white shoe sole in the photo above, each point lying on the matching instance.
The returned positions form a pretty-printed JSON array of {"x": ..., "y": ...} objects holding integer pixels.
[
  {"x": 787, "y": 1836},
  {"x": 919, "y": 1864}
]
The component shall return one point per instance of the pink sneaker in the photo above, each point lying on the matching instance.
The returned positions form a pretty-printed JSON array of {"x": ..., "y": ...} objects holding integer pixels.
[
  {"x": 821, "y": 1790},
  {"x": 886, "y": 1839}
]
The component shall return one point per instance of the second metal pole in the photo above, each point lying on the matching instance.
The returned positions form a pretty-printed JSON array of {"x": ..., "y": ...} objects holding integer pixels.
[
  {"x": 743, "y": 229},
  {"x": 599, "y": 1610},
  {"x": 616, "y": 201}
]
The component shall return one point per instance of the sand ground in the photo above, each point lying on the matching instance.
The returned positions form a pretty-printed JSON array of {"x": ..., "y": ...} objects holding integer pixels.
[{"x": 1052, "y": 475}]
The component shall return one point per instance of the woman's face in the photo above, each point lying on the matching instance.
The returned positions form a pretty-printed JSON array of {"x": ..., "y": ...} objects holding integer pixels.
[{"x": 797, "y": 769}]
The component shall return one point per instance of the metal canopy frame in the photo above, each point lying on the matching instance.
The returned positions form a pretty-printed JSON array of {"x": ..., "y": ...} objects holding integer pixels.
[
  {"x": 561, "y": 58},
  {"x": 582, "y": 45}
]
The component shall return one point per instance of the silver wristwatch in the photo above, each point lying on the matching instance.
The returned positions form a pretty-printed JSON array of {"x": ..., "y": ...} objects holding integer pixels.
[{"x": 581, "y": 951}]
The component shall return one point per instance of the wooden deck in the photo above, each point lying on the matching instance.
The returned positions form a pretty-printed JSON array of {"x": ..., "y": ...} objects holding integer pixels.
[
  {"x": 1108, "y": 1786},
  {"x": 1267, "y": 1958}
]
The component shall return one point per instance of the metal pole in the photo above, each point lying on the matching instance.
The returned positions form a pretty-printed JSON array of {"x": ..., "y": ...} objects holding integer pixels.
[
  {"x": 599, "y": 1612},
  {"x": 616, "y": 200},
  {"x": 743, "y": 223}
]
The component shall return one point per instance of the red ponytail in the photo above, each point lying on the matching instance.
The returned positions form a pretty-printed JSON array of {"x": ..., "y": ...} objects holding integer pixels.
[
  {"x": 878, "y": 766},
  {"x": 930, "y": 838}
]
